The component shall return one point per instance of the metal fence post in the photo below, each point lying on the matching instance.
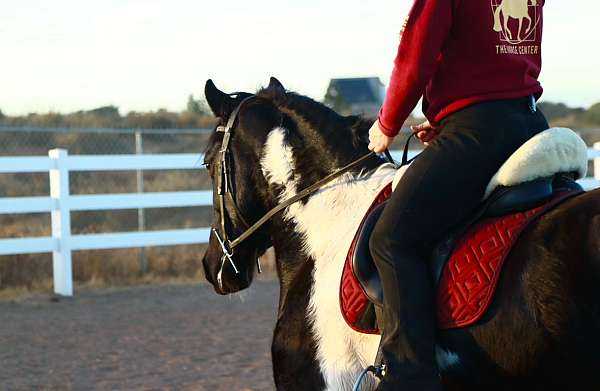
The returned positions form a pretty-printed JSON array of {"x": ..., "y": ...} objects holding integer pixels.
[
  {"x": 61, "y": 223},
  {"x": 597, "y": 162}
]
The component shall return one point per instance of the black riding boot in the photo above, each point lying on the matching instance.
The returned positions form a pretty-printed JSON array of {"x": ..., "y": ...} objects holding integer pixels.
[{"x": 409, "y": 330}]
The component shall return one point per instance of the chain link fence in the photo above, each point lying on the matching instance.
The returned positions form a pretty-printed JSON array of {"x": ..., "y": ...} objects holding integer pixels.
[{"x": 37, "y": 141}]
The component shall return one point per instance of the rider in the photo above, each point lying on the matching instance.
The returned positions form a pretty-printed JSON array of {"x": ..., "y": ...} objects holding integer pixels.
[{"x": 476, "y": 65}]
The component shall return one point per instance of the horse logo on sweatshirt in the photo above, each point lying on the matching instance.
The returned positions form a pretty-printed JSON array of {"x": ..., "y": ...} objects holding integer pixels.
[{"x": 516, "y": 20}]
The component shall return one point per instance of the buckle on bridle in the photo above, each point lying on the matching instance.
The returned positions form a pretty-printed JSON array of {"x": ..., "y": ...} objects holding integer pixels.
[{"x": 227, "y": 254}]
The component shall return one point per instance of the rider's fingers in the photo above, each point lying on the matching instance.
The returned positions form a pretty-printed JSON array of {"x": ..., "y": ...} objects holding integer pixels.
[
  {"x": 430, "y": 136},
  {"x": 424, "y": 126}
]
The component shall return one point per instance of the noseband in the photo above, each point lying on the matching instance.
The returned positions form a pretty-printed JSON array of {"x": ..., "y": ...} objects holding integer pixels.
[{"x": 225, "y": 190}]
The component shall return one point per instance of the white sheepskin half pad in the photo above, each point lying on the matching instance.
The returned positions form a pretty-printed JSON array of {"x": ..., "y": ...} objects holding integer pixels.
[{"x": 547, "y": 153}]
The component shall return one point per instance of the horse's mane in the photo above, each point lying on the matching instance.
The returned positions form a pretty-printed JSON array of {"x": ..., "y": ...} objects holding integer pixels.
[
  {"x": 321, "y": 119},
  {"x": 313, "y": 124}
]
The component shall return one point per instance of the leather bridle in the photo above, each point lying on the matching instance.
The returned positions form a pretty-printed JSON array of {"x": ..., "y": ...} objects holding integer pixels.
[{"x": 224, "y": 190}]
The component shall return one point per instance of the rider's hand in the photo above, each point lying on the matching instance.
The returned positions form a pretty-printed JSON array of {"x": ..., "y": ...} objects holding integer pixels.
[
  {"x": 378, "y": 142},
  {"x": 425, "y": 132}
]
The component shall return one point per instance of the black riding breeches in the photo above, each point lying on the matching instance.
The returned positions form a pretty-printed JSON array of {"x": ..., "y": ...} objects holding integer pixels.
[{"x": 441, "y": 188}]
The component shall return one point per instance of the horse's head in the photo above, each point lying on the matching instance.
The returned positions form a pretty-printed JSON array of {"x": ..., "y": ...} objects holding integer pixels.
[
  {"x": 240, "y": 196},
  {"x": 277, "y": 144}
]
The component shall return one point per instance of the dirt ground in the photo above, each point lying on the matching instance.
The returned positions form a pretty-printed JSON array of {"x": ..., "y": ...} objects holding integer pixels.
[{"x": 144, "y": 338}]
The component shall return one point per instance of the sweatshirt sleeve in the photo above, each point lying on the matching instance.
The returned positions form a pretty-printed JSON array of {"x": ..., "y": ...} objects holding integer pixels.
[{"x": 427, "y": 27}]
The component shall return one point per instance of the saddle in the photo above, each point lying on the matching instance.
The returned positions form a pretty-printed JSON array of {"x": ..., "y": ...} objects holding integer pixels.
[{"x": 466, "y": 265}]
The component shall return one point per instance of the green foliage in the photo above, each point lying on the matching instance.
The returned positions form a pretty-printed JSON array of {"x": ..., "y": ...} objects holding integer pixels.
[
  {"x": 193, "y": 106},
  {"x": 197, "y": 106},
  {"x": 2, "y": 115},
  {"x": 592, "y": 115}
]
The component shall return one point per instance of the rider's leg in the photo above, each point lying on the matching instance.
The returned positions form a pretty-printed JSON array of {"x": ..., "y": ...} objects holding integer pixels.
[{"x": 437, "y": 191}]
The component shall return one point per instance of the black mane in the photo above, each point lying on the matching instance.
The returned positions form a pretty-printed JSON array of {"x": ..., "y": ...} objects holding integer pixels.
[
  {"x": 322, "y": 119},
  {"x": 315, "y": 130}
]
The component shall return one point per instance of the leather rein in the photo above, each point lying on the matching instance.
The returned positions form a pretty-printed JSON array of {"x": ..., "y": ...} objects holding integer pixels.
[{"x": 225, "y": 190}]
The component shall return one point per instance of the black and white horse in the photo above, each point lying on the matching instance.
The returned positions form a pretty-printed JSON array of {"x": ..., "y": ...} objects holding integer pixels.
[{"x": 543, "y": 327}]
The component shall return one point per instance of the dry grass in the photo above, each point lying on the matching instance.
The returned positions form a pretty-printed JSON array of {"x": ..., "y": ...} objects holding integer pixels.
[{"x": 25, "y": 275}]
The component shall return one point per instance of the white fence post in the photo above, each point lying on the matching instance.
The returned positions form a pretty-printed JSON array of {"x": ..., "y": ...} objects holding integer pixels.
[
  {"x": 61, "y": 223},
  {"x": 597, "y": 162}
]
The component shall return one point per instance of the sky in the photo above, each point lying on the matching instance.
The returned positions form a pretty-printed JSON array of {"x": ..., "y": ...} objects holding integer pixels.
[{"x": 67, "y": 55}]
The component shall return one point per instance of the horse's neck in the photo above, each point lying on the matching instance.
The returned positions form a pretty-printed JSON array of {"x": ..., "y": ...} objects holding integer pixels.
[{"x": 331, "y": 213}]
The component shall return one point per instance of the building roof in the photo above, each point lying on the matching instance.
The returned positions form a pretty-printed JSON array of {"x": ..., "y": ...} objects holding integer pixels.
[{"x": 358, "y": 90}]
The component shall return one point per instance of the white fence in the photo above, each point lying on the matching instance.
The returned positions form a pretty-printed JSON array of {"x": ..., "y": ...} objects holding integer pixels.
[{"x": 60, "y": 204}]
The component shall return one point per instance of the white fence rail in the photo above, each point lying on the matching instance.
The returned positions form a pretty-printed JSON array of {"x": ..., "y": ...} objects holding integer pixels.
[{"x": 60, "y": 204}]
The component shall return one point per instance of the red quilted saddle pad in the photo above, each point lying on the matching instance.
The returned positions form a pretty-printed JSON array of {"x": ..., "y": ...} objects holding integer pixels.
[{"x": 469, "y": 279}]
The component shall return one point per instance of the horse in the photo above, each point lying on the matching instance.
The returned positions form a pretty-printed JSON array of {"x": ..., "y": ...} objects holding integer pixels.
[
  {"x": 516, "y": 9},
  {"x": 542, "y": 332}
]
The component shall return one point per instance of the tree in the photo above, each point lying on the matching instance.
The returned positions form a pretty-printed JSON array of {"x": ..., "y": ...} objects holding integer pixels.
[
  {"x": 554, "y": 110},
  {"x": 193, "y": 106},
  {"x": 592, "y": 116},
  {"x": 2, "y": 116},
  {"x": 105, "y": 111}
]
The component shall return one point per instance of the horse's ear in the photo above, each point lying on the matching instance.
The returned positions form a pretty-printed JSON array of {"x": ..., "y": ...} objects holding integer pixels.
[
  {"x": 276, "y": 85},
  {"x": 219, "y": 102}
]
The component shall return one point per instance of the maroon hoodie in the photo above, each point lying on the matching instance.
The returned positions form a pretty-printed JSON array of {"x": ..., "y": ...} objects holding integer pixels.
[{"x": 456, "y": 53}]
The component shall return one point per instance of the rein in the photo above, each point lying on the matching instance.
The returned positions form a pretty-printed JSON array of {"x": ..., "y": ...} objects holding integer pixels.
[{"x": 224, "y": 189}]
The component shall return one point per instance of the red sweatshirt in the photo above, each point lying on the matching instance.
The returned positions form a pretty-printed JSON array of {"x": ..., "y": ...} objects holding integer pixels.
[{"x": 456, "y": 53}]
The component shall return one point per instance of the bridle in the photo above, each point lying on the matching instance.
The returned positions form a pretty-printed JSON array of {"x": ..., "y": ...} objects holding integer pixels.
[
  {"x": 224, "y": 182},
  {"x": 225, "y": 190}
]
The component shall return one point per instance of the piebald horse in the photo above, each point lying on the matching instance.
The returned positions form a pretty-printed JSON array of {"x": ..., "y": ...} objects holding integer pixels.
[{"x": 541, "y": 333}]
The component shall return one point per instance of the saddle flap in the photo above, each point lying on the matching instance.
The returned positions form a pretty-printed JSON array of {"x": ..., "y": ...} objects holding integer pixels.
[
  {"x": 362, "y": 262},
  {"x": 506, "y": 200}
]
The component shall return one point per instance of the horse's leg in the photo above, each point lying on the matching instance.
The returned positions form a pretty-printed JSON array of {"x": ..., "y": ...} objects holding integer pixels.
[
  {"x": 293, "y": 353},
  {"x": 520, "y": 27},
  {"x": 529, "y": 25},
  {"x": 293, "y": 350},
  {"x": 506, "y": 29}
]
